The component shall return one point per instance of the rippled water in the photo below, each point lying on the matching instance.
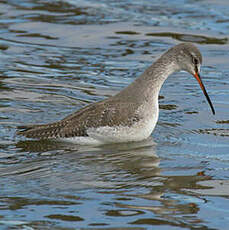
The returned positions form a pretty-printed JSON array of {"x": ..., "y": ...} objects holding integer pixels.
[{"x": 57, "y": 56}]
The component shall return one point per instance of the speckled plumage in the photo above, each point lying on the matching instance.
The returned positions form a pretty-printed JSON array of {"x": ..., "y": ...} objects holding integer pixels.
[
  {"x": 131, "y": 115},
  {"x": 92, "y": 116}
]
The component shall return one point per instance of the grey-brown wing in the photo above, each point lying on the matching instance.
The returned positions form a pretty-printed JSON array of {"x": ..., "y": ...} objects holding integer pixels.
[{"x": 98, "y": 114}]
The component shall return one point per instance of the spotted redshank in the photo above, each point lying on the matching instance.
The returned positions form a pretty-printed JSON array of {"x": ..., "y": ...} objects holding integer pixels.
[{"x": 130, "y": 115}]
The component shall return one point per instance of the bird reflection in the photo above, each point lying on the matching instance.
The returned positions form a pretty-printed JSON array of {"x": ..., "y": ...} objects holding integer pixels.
[{"x": 130, "y": 172}]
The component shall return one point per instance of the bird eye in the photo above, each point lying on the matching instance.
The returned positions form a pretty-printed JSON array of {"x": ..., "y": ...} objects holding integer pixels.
[{"x": 195, "y": 61}]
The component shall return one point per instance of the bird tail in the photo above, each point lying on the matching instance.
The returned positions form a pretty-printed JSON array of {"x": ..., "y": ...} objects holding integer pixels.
[{"x": 40, "y": 131}]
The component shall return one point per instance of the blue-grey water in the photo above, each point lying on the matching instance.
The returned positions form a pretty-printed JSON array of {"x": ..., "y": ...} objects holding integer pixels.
[{"x": 58, "y": 56}]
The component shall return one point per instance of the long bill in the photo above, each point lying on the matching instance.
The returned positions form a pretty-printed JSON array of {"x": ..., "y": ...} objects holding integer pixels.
[{"x": 197, "y": 76}]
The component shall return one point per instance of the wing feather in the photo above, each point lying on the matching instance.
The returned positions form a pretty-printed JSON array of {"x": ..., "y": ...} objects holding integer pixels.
[{"x": 92, "y": 116}]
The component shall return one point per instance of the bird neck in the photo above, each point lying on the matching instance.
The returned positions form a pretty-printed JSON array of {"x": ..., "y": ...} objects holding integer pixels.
[{"x": 146, "y": 87}]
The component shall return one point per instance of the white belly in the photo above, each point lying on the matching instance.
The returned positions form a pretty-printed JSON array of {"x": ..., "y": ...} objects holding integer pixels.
[
  {"x": 117, "y": 134},
  {"x": 139, "y": 131}
]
